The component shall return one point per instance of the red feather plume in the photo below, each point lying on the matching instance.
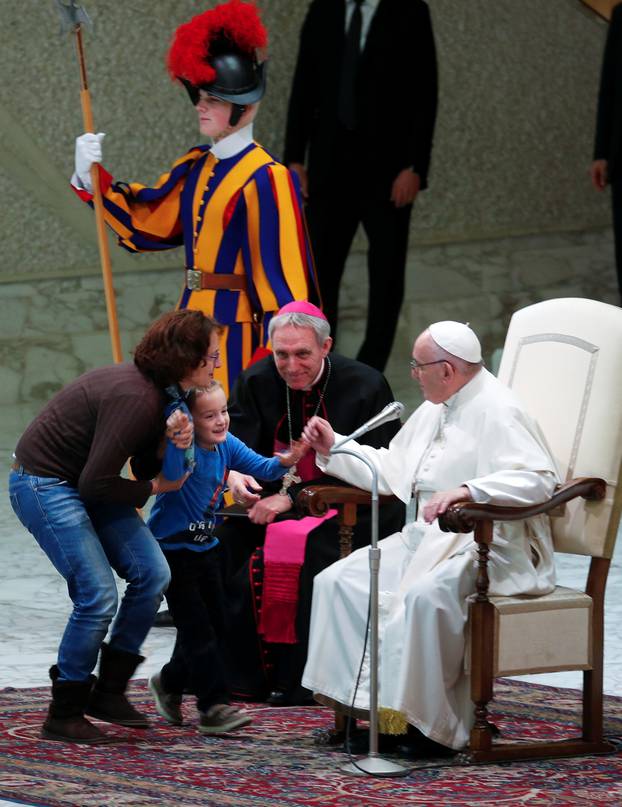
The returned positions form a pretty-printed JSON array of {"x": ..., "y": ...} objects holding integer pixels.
[{"x": 190, "y": 48}]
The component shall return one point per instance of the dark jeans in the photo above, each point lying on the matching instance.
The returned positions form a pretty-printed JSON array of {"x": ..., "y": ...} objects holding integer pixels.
[{"x": 195, "y": 600}]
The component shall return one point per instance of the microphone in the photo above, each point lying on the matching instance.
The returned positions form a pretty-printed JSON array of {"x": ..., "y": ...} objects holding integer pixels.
[{"x": 391, "y": 411}]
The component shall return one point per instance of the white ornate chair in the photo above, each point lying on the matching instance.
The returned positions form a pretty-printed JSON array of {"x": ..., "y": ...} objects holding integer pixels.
[{"x": 563, "y": 358}]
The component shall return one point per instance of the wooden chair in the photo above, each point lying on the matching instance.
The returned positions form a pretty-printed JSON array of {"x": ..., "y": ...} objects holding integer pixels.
[{"x": 563, "y": 358}]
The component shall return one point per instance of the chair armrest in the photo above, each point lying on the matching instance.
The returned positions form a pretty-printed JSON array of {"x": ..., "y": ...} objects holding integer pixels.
[
  {"x": 463, "y": 516},
  {"x": 317, "y": 499}
]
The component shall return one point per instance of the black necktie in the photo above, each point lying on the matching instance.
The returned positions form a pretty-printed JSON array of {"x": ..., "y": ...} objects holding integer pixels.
[{"x": 349, "y": 68}]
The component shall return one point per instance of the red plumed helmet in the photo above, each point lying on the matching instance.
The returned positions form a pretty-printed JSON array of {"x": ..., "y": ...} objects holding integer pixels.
[{"x": 216, "y": 51}]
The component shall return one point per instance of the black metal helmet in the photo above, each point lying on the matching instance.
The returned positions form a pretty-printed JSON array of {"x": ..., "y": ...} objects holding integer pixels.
[
  {"x": 239, "y": 79},
  {"x": 217, "y": 52}
]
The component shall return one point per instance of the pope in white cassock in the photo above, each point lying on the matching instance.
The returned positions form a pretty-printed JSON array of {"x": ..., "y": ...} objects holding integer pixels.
[{"x": 469, "y": 440}]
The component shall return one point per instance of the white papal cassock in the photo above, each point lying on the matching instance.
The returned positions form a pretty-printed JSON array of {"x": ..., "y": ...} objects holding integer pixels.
[{"x": 482, "y": 438}]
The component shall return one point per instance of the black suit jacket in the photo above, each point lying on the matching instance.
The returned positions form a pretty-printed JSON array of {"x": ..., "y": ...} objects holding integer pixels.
[
  {"x": 608, "y": 141},
  {"x": 396, "y": 95}
]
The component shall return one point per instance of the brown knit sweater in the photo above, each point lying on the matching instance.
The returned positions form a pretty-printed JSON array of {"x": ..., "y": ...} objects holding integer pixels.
[{"x": 90, "y": 429}]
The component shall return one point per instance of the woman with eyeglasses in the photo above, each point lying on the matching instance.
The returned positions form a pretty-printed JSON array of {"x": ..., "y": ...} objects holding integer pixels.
[{"x": 67, "y": 489}]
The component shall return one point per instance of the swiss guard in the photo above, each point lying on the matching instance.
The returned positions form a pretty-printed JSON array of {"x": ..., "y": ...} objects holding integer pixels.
[{"x": 235, "y": 209}]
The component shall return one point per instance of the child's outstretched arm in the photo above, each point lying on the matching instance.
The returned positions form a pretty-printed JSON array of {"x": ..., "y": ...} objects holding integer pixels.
[{"x": 292, "y": 455}]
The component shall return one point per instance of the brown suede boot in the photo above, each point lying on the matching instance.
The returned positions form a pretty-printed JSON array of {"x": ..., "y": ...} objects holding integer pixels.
[
  {"x": 65, "y": 721},
  {"x": 108, "y": 701}
]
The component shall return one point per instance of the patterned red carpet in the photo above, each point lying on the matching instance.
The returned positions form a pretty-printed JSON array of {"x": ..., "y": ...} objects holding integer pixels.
[{"x": 275, "y": 763}]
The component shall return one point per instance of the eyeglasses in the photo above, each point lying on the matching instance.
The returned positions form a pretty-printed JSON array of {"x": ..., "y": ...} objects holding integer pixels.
[
  {"x": 210, "y": 357},
  {"x": 415, "y": 365}
]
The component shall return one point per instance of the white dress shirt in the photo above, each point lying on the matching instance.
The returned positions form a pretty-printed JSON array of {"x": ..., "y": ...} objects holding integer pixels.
[{"x": 368, "y": 9}]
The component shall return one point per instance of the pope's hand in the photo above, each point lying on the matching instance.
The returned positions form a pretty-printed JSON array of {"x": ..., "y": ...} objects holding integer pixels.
[
  {"x": 88, "y": 151},
  {"x": 439, "y": 502},
  {"x": 266, "y": 510},
  {"x": 319, "y": 434}
]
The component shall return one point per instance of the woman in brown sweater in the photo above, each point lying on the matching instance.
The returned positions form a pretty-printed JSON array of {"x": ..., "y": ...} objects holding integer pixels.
[{"x": 66, "y": 488}]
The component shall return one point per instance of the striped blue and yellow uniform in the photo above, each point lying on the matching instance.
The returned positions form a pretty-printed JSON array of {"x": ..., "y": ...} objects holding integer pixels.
[{"x": 242, "y": 216}]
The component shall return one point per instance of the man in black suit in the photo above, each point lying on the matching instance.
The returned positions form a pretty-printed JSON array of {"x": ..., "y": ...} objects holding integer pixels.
[
  {"x": 361, "y": 119},
  {"x": 607, "y": 165}
]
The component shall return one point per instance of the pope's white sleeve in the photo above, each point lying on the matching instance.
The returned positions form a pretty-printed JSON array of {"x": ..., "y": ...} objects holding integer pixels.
[
  {"x": 514, "y": 467},
  {"x": 513, "y": 488}
]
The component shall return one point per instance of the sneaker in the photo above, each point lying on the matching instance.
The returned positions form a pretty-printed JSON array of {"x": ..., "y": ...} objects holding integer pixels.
[
  {"x": 221, "y": 718},
  {"x": 168, "y": 705}
]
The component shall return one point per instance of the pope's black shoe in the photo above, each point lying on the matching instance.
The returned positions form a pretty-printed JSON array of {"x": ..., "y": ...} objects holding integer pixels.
[
  {"x": 358, "y": 742},
  {"x": 415, "y": 745}
]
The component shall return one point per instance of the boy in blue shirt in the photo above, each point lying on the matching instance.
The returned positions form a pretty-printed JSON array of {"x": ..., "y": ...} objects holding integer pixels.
[{"x": 183, "y": 521}]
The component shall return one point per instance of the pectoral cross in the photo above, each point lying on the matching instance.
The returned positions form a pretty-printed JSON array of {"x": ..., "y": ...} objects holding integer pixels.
[{"x": 291, "y": 477}]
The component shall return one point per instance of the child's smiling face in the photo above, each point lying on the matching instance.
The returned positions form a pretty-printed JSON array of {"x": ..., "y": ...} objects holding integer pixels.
[{"x": 211, "y": 418}]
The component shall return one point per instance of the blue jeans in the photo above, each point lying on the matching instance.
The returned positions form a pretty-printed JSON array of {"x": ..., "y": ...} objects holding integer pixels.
[{"x": 85, "y": 543}]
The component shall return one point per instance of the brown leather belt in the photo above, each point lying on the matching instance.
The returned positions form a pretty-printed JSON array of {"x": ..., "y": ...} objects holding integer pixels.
[
  {"x": 199, "y": 281},
  {"x": 16, "y": 466}
]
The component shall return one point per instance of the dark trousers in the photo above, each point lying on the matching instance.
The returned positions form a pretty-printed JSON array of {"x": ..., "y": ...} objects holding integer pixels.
[
  {"x": 333, "y": 213},
  {"x": 616, "y": 206},
  {"x": 195, "y": 600}
]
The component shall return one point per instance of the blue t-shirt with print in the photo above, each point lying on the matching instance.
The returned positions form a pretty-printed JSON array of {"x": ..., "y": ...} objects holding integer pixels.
[{"x": 184, "y": 518}]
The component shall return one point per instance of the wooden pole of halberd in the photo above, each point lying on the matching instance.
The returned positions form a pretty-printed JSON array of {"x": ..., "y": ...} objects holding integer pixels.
[{"x": 98, "y": 204}]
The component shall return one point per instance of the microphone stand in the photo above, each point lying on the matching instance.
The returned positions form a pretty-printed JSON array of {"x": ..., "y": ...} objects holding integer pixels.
[{"x": 373, "y": 763}]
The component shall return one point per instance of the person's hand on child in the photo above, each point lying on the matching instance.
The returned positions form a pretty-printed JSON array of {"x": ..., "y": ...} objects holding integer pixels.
[
  {"x": 244, "y": 488},
  {"x": 179, "y": 429},
  {"x": 163, "y": 485}
]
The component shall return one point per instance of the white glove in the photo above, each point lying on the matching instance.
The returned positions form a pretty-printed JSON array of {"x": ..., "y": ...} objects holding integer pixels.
[{"x": 88, "y": 151}]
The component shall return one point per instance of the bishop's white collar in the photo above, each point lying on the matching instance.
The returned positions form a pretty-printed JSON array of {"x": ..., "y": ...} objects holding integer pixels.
[
  {"x": 234, "y": 143},
  {"x": 316, "y": 380}
]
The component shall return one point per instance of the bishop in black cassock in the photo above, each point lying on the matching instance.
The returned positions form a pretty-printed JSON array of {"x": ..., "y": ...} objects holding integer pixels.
[{"x": 352, "y": 394}]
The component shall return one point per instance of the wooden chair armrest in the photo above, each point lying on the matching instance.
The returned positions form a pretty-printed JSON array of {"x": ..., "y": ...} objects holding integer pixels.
[
  {"x": 463, "y": 516},
  {"x": 317, "y": 499}
]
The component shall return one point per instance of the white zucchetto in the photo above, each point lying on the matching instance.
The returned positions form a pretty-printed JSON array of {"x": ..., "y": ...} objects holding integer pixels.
[{"x": 458, "y": 339}]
